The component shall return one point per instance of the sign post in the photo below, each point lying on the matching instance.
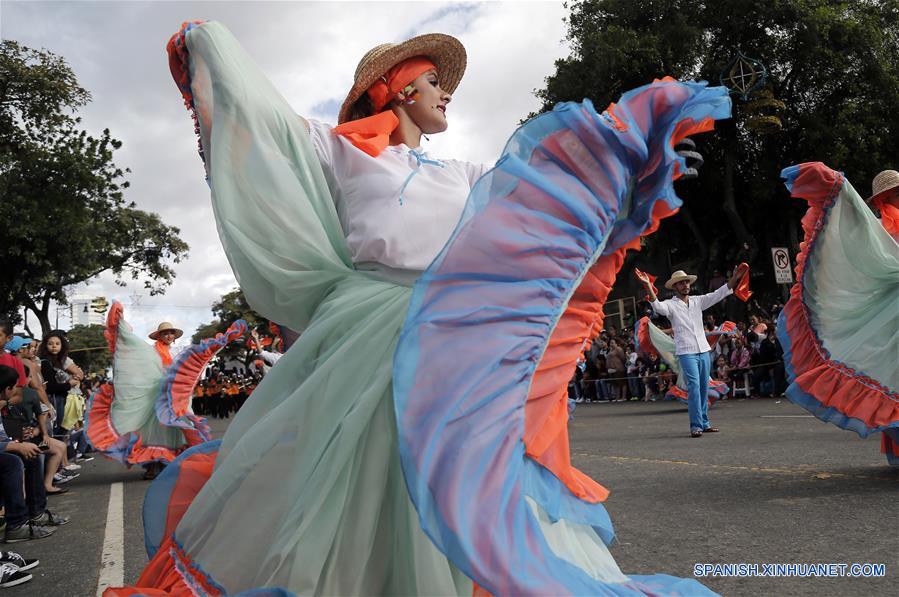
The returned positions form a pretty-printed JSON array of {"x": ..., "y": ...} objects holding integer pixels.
[{"x": 782, "y": 272}]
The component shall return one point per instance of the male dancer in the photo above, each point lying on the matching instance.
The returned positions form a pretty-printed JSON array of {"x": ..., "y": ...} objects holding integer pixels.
[{"x": 690, "y": 346}]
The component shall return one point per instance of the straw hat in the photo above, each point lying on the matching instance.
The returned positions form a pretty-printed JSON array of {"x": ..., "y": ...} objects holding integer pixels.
[
  {"x": 677, "y": 277},
  {"x": 445, "y": 51},
  {"x": 165, "y": 326},
  {"x": 883, "y": 182}
]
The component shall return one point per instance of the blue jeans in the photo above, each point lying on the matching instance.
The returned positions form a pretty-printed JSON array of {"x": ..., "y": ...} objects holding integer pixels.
[
  {"x": 16, "y": 473},
  {"x": 695, "y": 369},
  {"x": 78, "y": 441}
]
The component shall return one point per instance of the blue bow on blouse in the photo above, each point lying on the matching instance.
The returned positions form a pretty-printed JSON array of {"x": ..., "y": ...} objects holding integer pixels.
[{"x": 420, "y": 158}]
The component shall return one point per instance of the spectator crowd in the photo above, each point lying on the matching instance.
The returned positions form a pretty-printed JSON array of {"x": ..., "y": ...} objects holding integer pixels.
[
  {"x": 42, "y": 439},
  {"x": 749, "y": 360}
]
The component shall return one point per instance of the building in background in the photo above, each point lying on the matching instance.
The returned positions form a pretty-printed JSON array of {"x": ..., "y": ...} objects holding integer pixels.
[{"x": 88, "y": 310}]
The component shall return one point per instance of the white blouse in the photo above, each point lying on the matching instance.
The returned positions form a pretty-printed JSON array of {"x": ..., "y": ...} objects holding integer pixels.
[{"x": 398, "y": 209}]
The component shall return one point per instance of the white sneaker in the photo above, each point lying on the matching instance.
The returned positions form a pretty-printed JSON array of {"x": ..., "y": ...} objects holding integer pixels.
[{"x": 72, "y": 467}]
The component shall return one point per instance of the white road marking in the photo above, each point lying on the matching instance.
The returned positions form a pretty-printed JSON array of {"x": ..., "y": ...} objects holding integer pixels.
[{"x": 112, "y": 561}]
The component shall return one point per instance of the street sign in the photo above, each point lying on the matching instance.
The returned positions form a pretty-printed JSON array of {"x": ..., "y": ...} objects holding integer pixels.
[{"x": 781, "y": 258}]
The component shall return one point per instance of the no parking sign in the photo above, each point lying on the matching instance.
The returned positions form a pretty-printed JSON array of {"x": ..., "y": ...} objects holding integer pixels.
[{"x": 781, "y": 258}]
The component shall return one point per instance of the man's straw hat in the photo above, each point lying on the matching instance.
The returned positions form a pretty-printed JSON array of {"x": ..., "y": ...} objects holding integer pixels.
[
  {"x": 445, "y": 51},
  {"x": 677, "y": 277},
  {"x": 883, "y": 182},
  {"x": 164, "y": 326}
]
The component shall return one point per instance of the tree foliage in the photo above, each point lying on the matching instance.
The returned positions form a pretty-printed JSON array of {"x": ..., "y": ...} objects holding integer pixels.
[
  {"x": 61, "y": 194},
  {"x": 228, "y": 309},
  {"x": 834, "y": 64},
  {"x": 87, "y": 347}
]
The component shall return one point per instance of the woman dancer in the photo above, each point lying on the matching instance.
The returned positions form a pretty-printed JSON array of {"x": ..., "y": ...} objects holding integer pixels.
[
  {"x": 413, "y": 461},
  {"x": 840, "y": 329},
  {"x": 143, "y": 416}
]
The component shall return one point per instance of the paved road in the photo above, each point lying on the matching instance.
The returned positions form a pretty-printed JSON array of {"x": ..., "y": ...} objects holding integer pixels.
[{"x": 774, "y": 486}]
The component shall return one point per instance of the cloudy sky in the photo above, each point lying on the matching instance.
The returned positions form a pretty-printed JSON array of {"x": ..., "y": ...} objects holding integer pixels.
[{"x": 309, "y": 50}]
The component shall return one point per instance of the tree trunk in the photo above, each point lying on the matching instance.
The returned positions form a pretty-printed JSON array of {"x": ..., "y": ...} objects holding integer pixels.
[
  {"x": 703, "y": 256},
  {"x": 729, "y": 205},
  {"x": 42, "y": 313}
]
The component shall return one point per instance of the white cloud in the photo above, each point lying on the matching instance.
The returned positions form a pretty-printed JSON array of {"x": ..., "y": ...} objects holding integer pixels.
[{"x": 309, "y": 51}]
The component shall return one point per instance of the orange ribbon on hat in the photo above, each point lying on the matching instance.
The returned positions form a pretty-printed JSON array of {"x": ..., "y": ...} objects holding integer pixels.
[
  {"x": 889, "y": 214},
  {"x": 372, "y": 134},
  {"x": 742, "y": 291}
]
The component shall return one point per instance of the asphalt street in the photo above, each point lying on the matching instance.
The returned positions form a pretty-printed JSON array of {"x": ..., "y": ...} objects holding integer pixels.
[{"x": 775, "y": 486}]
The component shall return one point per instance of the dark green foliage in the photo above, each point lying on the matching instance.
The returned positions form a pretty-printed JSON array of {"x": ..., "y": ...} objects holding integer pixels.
[
  {"x": 97, "y": 358},
  {"x": 834, "y": 64}
]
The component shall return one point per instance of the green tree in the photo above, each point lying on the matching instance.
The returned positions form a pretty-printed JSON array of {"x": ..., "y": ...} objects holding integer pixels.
[
  {"x": 833, "y": 64},
  {"x": 87, "y": 347},
  {"x": 61, "y": 195},
  {"x": 228, "y": 309}
]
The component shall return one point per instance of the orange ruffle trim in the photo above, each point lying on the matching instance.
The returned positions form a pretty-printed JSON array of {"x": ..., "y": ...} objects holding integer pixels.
[
  {"x": 166, "y": 571},
  {"x": 546, "y": 409},
  {"x": 831, "y": 383}
]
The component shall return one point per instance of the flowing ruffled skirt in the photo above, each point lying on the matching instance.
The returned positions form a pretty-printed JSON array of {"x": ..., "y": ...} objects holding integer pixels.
[
  {"x": 648, "y": 338},
  {"x": 413, "y": 440},
  {"x": 121, "y": 418},
  {"x": 144, "y": 414},
  {"x": 840, "y": 328}
]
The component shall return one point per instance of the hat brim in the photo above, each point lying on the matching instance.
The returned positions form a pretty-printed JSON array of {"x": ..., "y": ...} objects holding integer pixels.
[
  {"x": 155, "y": 335},
  {"x": 445, "y": 51},
  {"x": 882, "y": 194},
  {"x": 670, "y": 283}
]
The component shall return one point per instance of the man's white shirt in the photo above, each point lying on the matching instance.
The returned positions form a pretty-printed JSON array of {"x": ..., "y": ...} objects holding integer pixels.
[{"x": 686, "y": 319}]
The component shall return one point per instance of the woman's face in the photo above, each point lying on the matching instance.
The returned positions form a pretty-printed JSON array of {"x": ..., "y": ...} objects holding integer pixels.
[
  {"x": 54, "y": 345},
  {"x": 429, "y": 110},
  {"x": 167, "y": 337},
  {"x": 32, "y": 349}
]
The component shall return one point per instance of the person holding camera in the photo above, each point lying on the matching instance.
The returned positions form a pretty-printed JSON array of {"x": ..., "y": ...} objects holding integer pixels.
[
  {"x": 25, "y": 421},
  {"x": 28, "y": 517}
]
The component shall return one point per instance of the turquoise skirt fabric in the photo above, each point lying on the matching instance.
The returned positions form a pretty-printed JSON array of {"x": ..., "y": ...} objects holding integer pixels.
[{"x": 309, "y": 491}]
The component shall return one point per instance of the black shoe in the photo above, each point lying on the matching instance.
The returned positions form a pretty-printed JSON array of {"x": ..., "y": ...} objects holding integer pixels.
[
  {"x": 49, "y": 519},
  {"x": 26, "y": 532},
  {"x": 10, "y": 576},
  {"x": 85, "y": 458},
  {"x": 696, "y": 433},
  {"x": 11, "y": 557}
]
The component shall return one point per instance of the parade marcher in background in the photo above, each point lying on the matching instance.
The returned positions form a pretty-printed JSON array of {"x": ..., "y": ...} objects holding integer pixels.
[
  {"x": 144, "y": 415},
  {"x": 691, "y": 347},
  {"x": 270, "y": 357},
  {"x": 328, "y": 229},
  {"x": 840, "y": 329}
]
